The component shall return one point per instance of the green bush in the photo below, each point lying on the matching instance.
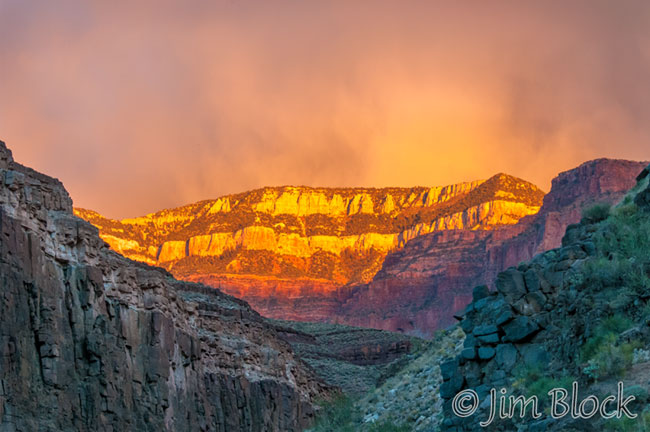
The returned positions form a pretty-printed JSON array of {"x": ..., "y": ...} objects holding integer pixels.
[
  {"x": 341, "y": 415},
  {"x": 596, "y": 213},
  {"x": 610, "y": 358},
  {"x": 603, "y": 355},
  {"x": 338, "y": 414},
  {"x": 611, "y": 326},
  {"x": 626, "y": 209},
  {"x": 534, "y": 382},
  {"x": 625, "y": 424},
  {"x": 623, "y": 260},
  {"x": 387, "y": 427}
]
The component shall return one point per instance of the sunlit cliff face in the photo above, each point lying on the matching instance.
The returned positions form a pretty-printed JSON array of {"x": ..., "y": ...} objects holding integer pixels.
[
  {"x": 281, "y": 248},
  {"x": 146, "y": 105},
  {"x": 340, "y": 235}
]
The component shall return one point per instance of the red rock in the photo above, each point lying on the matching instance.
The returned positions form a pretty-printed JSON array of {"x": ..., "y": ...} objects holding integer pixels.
[
  {"x": 422, "y": 286},
  {"x": 292, "y": 299},
  {"x": 296, "y": 252}
]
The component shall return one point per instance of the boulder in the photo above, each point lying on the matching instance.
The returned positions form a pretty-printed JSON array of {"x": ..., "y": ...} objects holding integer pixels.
[
  {"x": 480, "y": 292},
  {"x": 511, "y": 284},
  {"x": 506, "y": 356},
  {"x": 484, "y": 330},
  {"x": 486, "y": 353},
  {"x": 519, "y": 329}
]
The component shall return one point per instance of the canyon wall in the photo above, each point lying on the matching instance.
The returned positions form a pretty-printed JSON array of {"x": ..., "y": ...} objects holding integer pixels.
[
  {"x": 295, "y": 252},
  {"x": 92, "y": 341},
  {"x": 400, "y": 259},
  {"x": 568, "y": 315},
  {"x": 422, "y": 286},
  {"x": 300, "y": 221}
]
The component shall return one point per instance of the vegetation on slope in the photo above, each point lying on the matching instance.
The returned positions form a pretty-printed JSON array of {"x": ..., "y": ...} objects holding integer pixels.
[
  {"x": 353, "y": 359},
  {"x": 579, "y": 313},
  {"x": 406, "y": 400},
  {"x": 610, "y": 317}
]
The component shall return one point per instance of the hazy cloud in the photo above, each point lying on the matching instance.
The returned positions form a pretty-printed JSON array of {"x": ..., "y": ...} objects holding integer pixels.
[{"x": 138, "y": 106}]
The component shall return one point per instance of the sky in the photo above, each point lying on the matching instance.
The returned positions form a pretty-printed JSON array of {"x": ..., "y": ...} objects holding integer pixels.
[{"x": 140, "y": 106}]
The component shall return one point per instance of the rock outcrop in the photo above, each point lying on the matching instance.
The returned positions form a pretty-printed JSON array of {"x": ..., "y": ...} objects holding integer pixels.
[
  {"x": 292, "y": 251},
  {"x": 422, "y": 286},
  {"x": 91, "y": 341},
  {"x": 350, "y": 358},
  {"x": 578, "y": 313},
  {"x": 303, "y": 299},
  {"x": 300, "y": 221}
]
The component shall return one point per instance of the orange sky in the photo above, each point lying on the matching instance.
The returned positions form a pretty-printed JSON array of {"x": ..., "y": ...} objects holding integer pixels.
[{"x": 148, "y": 106}]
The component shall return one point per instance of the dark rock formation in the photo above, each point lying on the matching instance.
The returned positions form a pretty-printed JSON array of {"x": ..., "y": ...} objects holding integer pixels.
[
  {"x": 593, "y": 291},
  {"x": 421, "y": 287},
  {"x": 91, "y": 341},
  {"x": 353, "y": 359}
]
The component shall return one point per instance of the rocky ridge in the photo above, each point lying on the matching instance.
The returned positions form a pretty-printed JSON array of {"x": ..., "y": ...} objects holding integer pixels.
[
  {"x": 350, "y": 358},
  {"x": 420, "y": 287},
  {"x": 257, "y": 244},
  {"x": 300, "y": 221},
  {"x": 578, "y": 313},
  {"x": 90, "y": 340}
]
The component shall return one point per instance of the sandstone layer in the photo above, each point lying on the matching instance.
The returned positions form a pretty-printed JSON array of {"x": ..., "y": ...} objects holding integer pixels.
[
  {"x": 92, "y": 341},
  {"x": 294, "y": 252},
  {"x": 422, "y": 286}
]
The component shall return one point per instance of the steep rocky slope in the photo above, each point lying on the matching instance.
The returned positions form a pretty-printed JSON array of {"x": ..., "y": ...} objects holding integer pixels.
[
  {"x": 579, "y": 313},
  {"x": 407, "y": 399},
  {"x": 290, "y": 251},
  {"x": 350, "y": 358},
  {"x": 91, "y": 341},
  {"x": 422, "y": 286}
]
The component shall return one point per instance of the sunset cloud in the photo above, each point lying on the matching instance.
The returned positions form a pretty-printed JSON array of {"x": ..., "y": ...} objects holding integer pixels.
[{"x": 138, "y": 107}]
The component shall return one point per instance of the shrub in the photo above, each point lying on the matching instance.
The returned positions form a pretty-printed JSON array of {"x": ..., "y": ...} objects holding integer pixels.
[
  {"x": 534, "y": 382},
  {"x": 603, "y": 355},
  {"x": 596, "y": 213},
  {"x": 341, "y": 415},
  {"x": 338, "y": 414},
  {"x": 625, "y": 424},
  {"x": 610, "y": 358},
  {"x": 623, "y": 245},
  {"x": 388, "y": 427},
  {"x": 626, "y": 209},
  {"x": 611, "y": 326}
]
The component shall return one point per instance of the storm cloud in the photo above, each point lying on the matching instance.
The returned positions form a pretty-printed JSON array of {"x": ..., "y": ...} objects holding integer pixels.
[{"x": 138, "y": 106}]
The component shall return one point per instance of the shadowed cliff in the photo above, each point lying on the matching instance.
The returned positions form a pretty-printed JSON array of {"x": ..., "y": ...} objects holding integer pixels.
[
  {"x": 578, "y": 313},
  {"x": 92, "y": 341}
]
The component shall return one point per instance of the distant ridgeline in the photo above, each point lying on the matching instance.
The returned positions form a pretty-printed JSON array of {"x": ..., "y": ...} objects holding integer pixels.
[
  {"x": 421, "y": 286},
  {"x": 294, "y": 252}
]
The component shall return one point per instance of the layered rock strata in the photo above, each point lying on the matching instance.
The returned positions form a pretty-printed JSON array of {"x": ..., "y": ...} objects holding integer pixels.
[
  {"x": 91, "y": 341},
  {"x": 422, "y": 286},
  {"x": 300, "y": 221},
  {"x": 292, "y": 252}
]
